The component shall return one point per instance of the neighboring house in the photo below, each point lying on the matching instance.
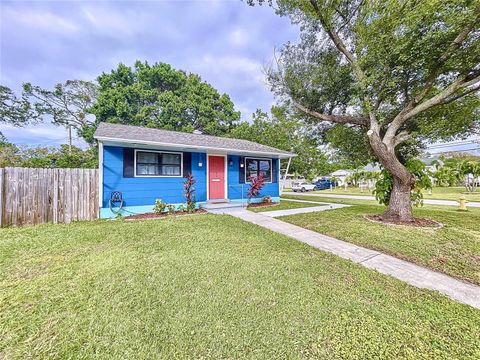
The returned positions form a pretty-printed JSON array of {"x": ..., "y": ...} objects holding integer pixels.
[
  {"x": 341, "y": 176},
  {"x": 146, "y": 164}
]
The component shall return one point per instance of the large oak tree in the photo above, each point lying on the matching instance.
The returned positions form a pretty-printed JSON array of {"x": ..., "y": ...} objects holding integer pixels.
[{"x": 399, "y": 72}]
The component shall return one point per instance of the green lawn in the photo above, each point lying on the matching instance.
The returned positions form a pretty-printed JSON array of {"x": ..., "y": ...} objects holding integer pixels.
[
  {"x": 454, "y": 249},
  {"x": 439, "y": 193},
  {"x": 284, "y": 205},
  {"x": 207, "y": 286}
]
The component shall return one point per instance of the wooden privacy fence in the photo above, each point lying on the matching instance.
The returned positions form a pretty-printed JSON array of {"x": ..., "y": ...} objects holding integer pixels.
[{"x": 36, "y": 196}]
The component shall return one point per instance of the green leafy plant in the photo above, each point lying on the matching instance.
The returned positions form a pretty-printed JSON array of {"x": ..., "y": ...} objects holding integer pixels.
[
  {"x": 171, "y": 209},
  {"x": 267, "y": 199},
  {"x": 159, "y": 206},
  {"x": 181, "y": 208},
  {"x": 384, "y": 184}
]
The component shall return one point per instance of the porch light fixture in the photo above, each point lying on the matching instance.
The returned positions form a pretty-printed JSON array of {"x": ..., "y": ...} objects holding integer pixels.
[
  {"x": 200, "y": 164},
  {"x": 241, "y": 164},
  {"x": 230, "y": 162}
]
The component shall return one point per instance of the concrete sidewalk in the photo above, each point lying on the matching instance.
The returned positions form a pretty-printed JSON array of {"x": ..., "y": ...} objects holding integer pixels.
[
  {"x": 277, "y": 213},
  {"x": 361, "y": 197},
  {"x": 403, "y": 270}
]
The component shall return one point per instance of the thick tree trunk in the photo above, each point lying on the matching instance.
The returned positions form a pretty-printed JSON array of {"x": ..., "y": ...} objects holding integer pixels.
[{"x": 400, "y": 206}]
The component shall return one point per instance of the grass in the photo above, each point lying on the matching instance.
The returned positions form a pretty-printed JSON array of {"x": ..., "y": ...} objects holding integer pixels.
[
  {"x": 454, "y": 249},
  {"x": 284, "y": 205},
  {"x": 438, "y": 193},
  {"x": 209, "y": 286}
]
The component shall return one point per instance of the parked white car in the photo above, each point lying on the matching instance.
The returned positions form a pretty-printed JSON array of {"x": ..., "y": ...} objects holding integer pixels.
[{"x": 302, "y": 186}]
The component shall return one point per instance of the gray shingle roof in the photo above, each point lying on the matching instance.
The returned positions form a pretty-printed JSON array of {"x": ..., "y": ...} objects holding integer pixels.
[{"x": 138, "y": 134}]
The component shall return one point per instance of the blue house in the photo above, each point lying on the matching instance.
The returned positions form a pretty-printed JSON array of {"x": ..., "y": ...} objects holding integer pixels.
[{"x": 139, "y": 165}]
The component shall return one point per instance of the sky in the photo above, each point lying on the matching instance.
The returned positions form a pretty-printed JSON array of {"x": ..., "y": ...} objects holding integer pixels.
[{"x": 226, "y": 42}]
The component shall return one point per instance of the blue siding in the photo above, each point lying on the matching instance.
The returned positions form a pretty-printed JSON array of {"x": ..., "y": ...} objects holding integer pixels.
[
  {"x": 144, "y": 190},
  {"x": 235, "y": 187},
  {"x": 140, "y": 192}
]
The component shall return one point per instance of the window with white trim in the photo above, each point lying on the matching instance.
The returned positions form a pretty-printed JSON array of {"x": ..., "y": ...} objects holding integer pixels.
[
  {"x": 149, "y": 163},
  {"x": 256, "y": 167}
]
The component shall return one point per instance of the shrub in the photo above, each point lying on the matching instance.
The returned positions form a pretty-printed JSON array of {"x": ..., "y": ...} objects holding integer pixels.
[
  {"x": 171, "y": 208},
  {"x": 384, "y": 185},
  {"x": 255, "y": 187},
  {"x": 267, "y": 199},
  {"x": 159, "y": 206}
]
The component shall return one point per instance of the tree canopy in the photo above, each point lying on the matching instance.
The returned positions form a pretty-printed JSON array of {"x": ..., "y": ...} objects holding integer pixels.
[
  {"x": 283, "y": 131},
  {"x": 398, "y": 73},
  {"x": 15, "y": 111},
  {"x": 160, "y": 96},
  {"x": 68, "y": 104},
  {"x": 47, "y": 157}
]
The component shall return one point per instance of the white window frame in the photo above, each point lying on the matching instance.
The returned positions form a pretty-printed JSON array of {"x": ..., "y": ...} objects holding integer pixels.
[
  {"x": 161, "y": 152},
  {"x": 258, "y": 158}
]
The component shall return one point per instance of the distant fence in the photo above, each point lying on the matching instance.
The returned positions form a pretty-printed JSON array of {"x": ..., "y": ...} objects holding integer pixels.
[{"x": 36, "y": 196}]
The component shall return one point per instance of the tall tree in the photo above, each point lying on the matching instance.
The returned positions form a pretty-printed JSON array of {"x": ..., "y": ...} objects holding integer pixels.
[
  {"x": 285, "y": 132},
  {"x": 160, "y": 96},
  {"x": 400, "y": 72},
  {"x": 15, "y": 111},
  {"x": 47, "y": 157},
  {"x": 68, "y": 104}
]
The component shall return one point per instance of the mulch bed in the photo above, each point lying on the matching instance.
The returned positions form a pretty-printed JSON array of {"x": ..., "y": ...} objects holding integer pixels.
[
  {"x": 417, "y": 222},
  {"x": 263, "y": 204},
  {"x": 162, "y": 215}
]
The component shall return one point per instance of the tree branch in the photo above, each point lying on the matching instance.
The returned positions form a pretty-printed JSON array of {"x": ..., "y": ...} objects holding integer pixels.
[
  {"x": 430, "y": 81},
  {"x": 462, "y": 82},
  {"x": 401, "y": 137},
  {"x": 443, "y": 97},
  {"x": 338, "y": 42},
  {"x": 339, "y": 119},
  {"x": 456, "y": 97},
  {"x": 454, "y": 45}
]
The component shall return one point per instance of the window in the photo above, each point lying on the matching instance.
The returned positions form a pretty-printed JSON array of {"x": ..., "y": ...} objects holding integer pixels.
[
  {"x": 150, "y": 163},
  {"x": 255, "y": 167}
]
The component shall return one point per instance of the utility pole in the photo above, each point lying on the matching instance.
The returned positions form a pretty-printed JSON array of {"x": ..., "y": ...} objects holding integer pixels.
[{"x": 69, "y": 139}]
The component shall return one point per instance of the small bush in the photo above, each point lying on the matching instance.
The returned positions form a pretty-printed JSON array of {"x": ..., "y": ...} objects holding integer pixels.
[
  {"x": 171, "y": 208},
  {"x": 267, "y": 199},
  {"x": 191, "y": 207},
  {"x": 159, "y": 206}
]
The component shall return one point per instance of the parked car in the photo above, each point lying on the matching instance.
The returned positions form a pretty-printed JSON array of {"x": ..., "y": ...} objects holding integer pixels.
[
  {"x": 323, "y": 184},
  {"x": 302, "y": 186}
]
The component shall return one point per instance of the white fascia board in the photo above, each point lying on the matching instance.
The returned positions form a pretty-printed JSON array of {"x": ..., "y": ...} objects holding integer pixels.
[{"x": 114, "y": 141}]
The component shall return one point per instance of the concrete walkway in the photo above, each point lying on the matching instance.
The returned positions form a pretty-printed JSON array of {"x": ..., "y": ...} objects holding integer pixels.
[
  {"x": 405, "y": 271},
  {"x": 362, "y": 197},
  {"x": 277, "y": 213}
]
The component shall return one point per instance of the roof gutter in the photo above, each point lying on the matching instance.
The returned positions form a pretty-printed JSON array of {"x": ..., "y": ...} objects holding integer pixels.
[{"x": 179, "y": 146}]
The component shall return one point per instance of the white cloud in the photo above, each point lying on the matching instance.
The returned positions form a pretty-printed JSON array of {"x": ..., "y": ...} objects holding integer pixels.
[
  {"x": 239, "y": 37},
  {"x": 43, "y": 20},
  {"x": 251, "y": 70}
]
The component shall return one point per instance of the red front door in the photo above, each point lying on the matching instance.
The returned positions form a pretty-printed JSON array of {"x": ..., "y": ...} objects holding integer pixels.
[{"x": 216, "y": 177}]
